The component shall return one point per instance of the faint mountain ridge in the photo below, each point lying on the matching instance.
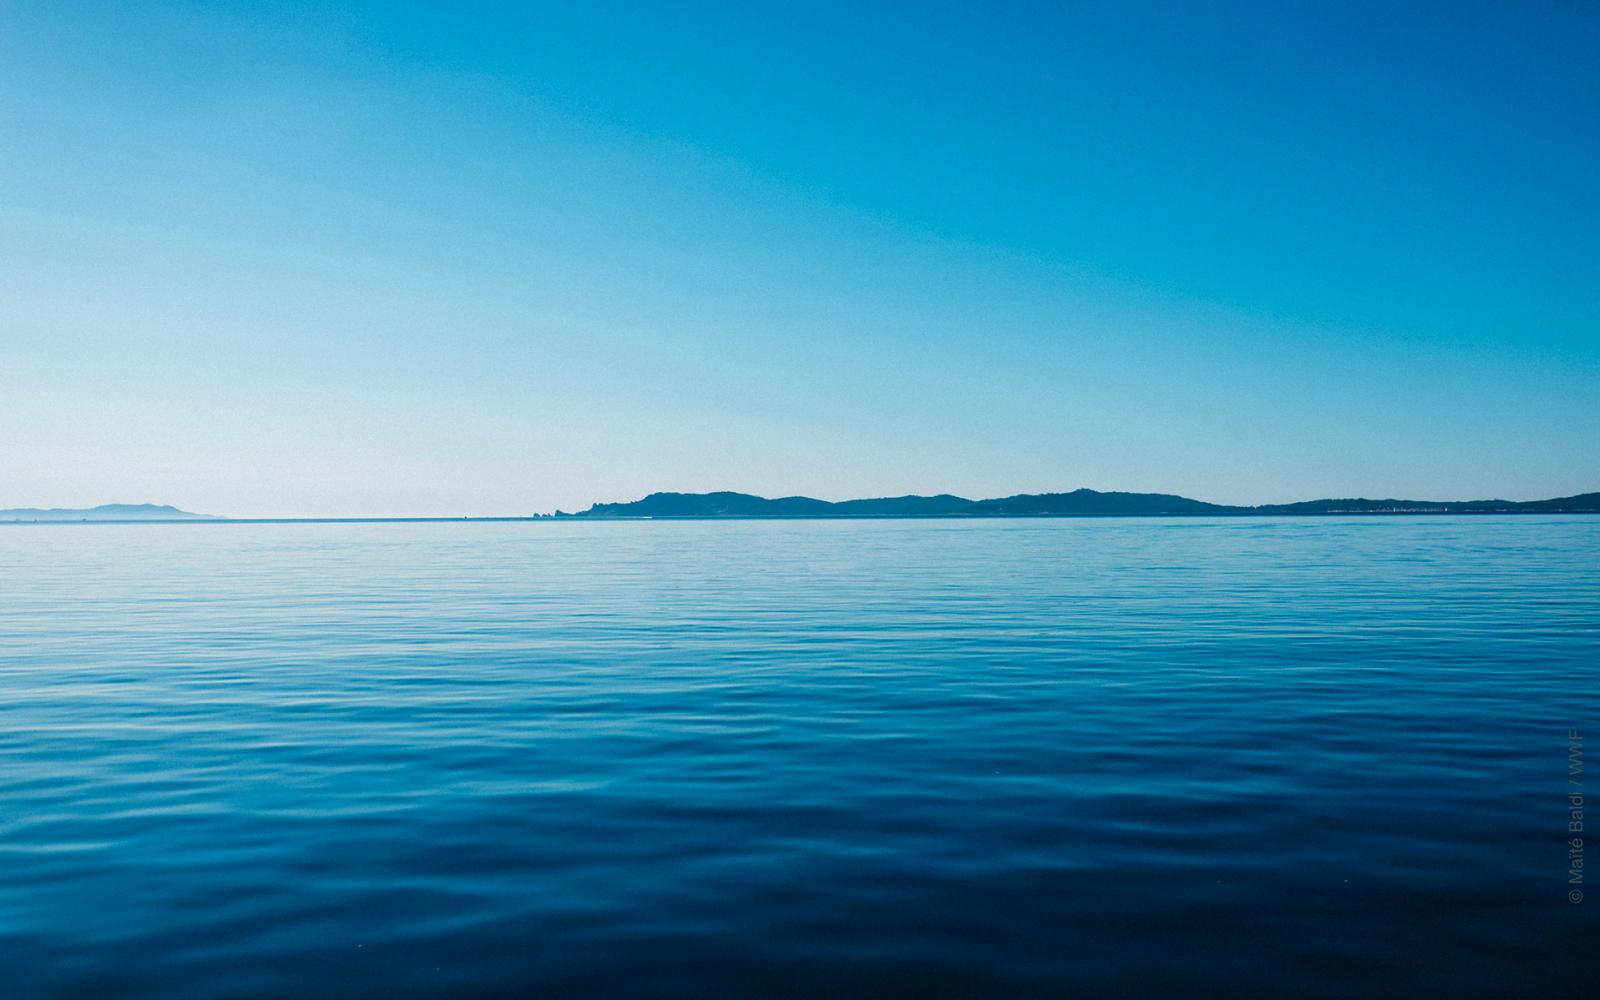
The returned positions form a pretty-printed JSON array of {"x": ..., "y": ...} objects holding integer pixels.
[
  {"x": 105, "y": 512},
  {"x": 1077, "y": 503}
]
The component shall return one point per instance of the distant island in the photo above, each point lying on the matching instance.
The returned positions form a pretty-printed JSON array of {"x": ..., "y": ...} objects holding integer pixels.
[
  {"x": 105, "y": 512},
  {"x": 1078, "y": 503}
]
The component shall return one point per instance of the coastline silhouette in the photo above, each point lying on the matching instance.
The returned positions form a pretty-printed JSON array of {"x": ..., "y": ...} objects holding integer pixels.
[{"x": 1078, "y": 503}]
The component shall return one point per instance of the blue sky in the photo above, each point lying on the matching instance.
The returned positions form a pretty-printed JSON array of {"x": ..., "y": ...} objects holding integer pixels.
[{"x": 394, "y": 259}]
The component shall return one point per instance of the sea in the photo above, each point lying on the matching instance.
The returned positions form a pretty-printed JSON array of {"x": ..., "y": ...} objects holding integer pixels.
[{"x": 1097, "y": 757}]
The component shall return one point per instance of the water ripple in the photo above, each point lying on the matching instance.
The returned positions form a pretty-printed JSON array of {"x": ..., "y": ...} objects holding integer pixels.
[{"x": 1314, "y": 757}]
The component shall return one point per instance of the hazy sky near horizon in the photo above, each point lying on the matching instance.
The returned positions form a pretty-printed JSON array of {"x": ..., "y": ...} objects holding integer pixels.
[{"x": 483, "y": 259}]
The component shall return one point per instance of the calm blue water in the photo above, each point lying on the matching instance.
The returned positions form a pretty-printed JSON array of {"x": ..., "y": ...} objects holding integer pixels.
[{"x": 916, "y": 758}]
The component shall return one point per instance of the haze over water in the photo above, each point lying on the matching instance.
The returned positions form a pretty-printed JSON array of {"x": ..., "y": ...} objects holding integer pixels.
[{"x": 1251, "y": 757}]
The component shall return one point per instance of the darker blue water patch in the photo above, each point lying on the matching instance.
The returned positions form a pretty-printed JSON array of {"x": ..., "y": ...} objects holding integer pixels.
[{"x": 1056, "y": 758}]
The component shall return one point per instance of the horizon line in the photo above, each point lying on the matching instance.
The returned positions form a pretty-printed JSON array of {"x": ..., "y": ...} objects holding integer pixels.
[{"x": 63, "y": 515}]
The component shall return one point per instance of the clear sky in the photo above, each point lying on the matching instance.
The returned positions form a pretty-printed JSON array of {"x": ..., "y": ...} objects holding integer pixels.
[{"x": 485, "y": 259}]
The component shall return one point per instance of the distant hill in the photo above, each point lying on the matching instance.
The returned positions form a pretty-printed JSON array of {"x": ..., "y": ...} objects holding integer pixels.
[
  {"x": 1584, "y": 503},
  {"x": 1081, "y": 502},
  {"x": 711, "y": 505},
  {"x": 908, "y": 506},
  {"x": 104, "y": 512},
  {"x": 1078, "y": 503},
  {"x": 745, "y": 505}
]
